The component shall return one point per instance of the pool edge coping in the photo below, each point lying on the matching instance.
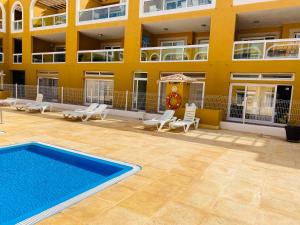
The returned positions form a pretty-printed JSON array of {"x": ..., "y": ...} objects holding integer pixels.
[{"x": 72, "y": 201}]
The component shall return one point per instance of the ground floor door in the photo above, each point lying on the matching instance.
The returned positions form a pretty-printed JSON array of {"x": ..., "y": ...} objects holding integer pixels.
[
  {"x": 259, "y": 103},
  {"x": 18, "y": 80},
  {"x": 139, "y": 91},
  {"x": 49, "y": 88}
]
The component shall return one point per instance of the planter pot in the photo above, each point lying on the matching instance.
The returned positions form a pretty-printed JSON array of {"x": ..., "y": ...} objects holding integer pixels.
[{"x": 293, "y": 133}]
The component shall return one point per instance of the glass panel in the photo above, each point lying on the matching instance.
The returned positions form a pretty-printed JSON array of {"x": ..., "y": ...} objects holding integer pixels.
[
  {"x": 282, "y": 49},
  {"x": 249, "y": 51},
  {"x": 260, "y": 103},
  {"x": 197, "y": 53},
  {"x": 92, "y": 91},
  {"x": 196, "y": 94},
  {"x": 163, "y": 96},
  {"x": 37, "y": 22},
  {"x": 173, "y": 54},
  {"x": 37, "y": 58},
  {"x": 61, "y": 57},
  {"x": 99, "y": 56},
  {"x": 48, "y": 58},
  {"x": 61, "y": 19},
  {"x": 283, "y": 103},
  {"x": 84, "y": 57},
  {"x": 237, "y": 102}
]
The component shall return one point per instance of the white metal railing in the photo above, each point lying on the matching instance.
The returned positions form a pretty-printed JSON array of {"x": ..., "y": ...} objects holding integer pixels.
[
  {"x": 102, "y": 13},
  {"x": 48, "y": 57},
  {"x": 54, "y": 20},
  {"x": 1, "y": 57},
  {"x": 18, "y": 25},
  {"x": 278, "y": 49},
  {"x": 98, "y": 56},
  {"x": 175, "y": 53},
  {"x": 159, "y": 6},
  {"x": 17, "y": 58},
  {"x": 242, "y": 2}
]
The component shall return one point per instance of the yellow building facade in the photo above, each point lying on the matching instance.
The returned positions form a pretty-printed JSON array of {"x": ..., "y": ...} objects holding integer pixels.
[{"x": 244, "y": 53}]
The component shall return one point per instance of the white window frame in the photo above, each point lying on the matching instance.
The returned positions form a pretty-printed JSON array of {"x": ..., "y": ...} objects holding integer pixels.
[
  {"x": 97, "y": 80},
  {"x": 260, "y": 76},
  {"x": 12, "y": 17},
  {"x": 246, "y": 85},
  {"x": 3, "y": 29}
]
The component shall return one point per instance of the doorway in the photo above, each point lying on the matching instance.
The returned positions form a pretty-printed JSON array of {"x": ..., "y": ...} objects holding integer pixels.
[
  {"x": 18, "y": 80},
  {"x": 139, "y": 91}
]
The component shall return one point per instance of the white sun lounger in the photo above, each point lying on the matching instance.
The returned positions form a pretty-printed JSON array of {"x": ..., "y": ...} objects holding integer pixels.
[
  {"x": 159, "y": 122},
  {"x": 8, "y": 102},
  {"x": 188, "y": 120},
  {"x": 42, "y": 107},
  {"x": 70, "y": 114},
  {"x": 39, "y": 100},
  {"x": 101, "y": 111}
]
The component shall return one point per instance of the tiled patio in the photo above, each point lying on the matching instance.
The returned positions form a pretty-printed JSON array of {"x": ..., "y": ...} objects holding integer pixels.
[{"x": 203, "y": 177}]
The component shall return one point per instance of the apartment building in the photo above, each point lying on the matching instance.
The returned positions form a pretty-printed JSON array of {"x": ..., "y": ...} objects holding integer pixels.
[{"x": 246, "y": 52}]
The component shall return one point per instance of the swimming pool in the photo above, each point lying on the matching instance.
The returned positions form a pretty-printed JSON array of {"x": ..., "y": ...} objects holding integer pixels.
[{"x": 38, "y": 180}]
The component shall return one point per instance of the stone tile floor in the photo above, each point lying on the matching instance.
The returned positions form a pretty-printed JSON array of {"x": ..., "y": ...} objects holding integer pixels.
[{"x": 202, "y": 177}]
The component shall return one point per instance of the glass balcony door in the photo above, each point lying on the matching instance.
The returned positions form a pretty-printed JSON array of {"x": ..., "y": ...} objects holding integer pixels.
[
  {"x": 139, "y": 91},
  {"x": 262, "y": 104}
]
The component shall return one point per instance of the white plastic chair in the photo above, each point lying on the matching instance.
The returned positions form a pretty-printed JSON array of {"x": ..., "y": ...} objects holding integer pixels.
[
  {"x": 188, "y": 120},
  {"x": 70, "y": 114},
  {"x": 159, "y": 122},
  {"x": 39, "y": 100}
]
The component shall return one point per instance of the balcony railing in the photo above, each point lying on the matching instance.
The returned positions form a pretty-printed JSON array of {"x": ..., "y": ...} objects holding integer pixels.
[
  {"x": 17, "y": 58},
  {"x": 279, "y": 49},
  {"x": 48, "y": 57},
  {"x": 1, "y": 57},
  {"x": 99, "y": 56},
  {"x": 55, "y": 20},
  {"x": 115, "y": 11},
  {"x": 183, "y": 53},
  {"x": 18, "y": 25},
  {"x": 159, "y": 6}
]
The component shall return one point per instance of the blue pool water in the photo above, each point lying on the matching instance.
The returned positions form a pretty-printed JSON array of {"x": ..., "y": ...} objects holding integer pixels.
[{"x": 35, "y": 177}]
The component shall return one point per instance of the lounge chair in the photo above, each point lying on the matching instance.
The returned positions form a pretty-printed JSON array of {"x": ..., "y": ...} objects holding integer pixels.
[
  {"x": 159, "y": 122},
  {"x": 8, "y": 102},
  {"x": 188, "y": 120},
  {"x": 101, "y": 111},
  {"x": 39, "y": 100},
  {"x": 70, "y": 114},
  {"x": 42, "y": 107}
]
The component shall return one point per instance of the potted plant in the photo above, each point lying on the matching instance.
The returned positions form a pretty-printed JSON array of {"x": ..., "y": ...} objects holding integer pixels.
[{"x": 293, "y": 131}]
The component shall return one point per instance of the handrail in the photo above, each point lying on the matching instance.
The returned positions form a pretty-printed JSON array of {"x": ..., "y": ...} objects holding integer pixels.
[
  {"x": 48, "y": 53},
  {"x": 101, "y": 50},
  {"x": 267, "y": 41},
  {"x": 48, "y": 16},
  {"x": 175, "y": 47}
]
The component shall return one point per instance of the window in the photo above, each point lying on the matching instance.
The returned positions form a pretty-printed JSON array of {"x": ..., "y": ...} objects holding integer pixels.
[
  {"x": 48, "y": 86},
  {"x": 99, "y": 91},
  {"x": 297, "y": 35},
  {"x": 269, "y": 37},
  {"x": 263, "y": 76},
  {"x": 196, "y": 94},
  {"x": 172, "y": 43},
  {"x": 202, "y": 41}
]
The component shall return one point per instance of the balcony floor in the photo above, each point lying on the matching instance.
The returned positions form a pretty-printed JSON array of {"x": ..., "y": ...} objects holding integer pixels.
[{"x": 202, "y": 177}]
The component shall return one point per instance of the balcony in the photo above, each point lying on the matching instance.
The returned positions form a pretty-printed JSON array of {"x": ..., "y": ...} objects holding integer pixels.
[
  {"x": 278, "y": 49},
  {"x": 186, "y": 53},
  {"x": 56, "y": 20},
  {"x": 17, "y": 58},
  {"x": 46, "y": 14},
  {"x": 159, "y": 7},
  {"x": 48, "y": 57},
  {"x": 103, "y": 13},
  {"x": 100, "y": 56}
]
